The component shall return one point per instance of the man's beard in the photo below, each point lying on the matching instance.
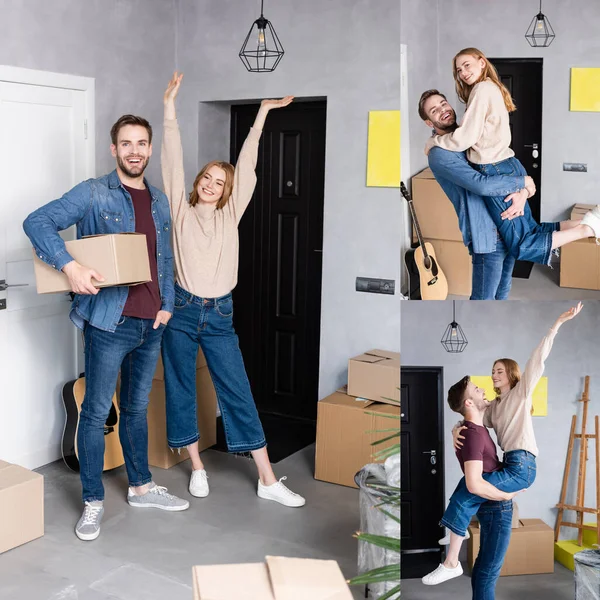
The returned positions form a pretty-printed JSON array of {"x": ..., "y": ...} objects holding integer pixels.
[
  {"x": 140, "y": 168},
  {"x": 446, "y": 127}
]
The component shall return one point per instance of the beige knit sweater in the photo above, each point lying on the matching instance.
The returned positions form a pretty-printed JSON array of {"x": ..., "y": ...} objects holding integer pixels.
[
  {"x": 205, "y": 240},
  {"x": 484, "y": 131},
  {"x": 510, "y": 415}
]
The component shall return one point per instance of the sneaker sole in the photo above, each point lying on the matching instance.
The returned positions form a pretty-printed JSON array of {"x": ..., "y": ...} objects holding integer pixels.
[
  {"x": 87, "y": 537},
  {"x": 160, "y": 506},
  {"x": 278, "y": 500}
]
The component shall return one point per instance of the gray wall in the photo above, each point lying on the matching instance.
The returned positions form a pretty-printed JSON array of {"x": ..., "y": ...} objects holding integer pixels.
[
  {"x": 498, "y": 28},
  {"x": 128, "y": 46},
  {"x": 349, "y": 53},
  {"x": 514, "y": 329}
]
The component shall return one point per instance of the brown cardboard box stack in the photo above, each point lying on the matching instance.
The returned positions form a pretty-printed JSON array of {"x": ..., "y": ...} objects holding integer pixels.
[
  {"x": 21, "y": 506},
  {"x": 122, "y": 259},
  {"x": 580, "y": 260},
  {"x": 278, "y": 578},
  {"x": 439, "y": 226},
  {"x": 159, "y": 453},
  {"x": 531, "y": 549},
  {"x": 345, "y": 426}
]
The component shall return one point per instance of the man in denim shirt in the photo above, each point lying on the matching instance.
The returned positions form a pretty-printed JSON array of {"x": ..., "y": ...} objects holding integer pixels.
[
  {"x": 122, "y": 326},
  {"x": 467, "y": 189}
]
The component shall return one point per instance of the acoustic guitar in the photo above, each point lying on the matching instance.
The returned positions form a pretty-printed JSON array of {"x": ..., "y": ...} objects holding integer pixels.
[
  {"x": 72, "y": 395},
  {"x": 426, "y": 279}
]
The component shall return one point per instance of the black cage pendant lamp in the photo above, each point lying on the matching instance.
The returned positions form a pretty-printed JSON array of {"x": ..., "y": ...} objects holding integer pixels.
[
  {"x": 540, "y": 33},
  {"x": 454, "y": 339},
  {"x": 262, "y": 49}
]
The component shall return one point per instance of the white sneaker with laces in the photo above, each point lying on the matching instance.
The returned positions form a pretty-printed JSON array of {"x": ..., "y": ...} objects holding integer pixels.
[
  {"x": 279, "y": 492},
  {"x": 88, "y": 526},
  {"x": 199, "y": 483},
  {"x": 592, "y": 219},
  {"x": 157, "y": 497},
  {"x": 445, "y": 541},
  {"x": 442, "y": 574}
]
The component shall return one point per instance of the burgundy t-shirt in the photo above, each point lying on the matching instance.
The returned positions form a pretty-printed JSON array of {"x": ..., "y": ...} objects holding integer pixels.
[
  {"x": 478, "y": 445},
  {"x": 143, "y": 300}
]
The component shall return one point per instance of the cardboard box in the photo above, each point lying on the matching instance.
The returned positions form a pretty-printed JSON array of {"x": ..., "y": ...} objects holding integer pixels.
[
  {"x": 21, "y": 506},
  {"x": 455, "y": 261},
  {"x": 159, "y": 453},
  {"x": 344, "y": 436},
  {"x": 375, "y": 375},
  {"x": 279, "y": 578},
  {"x": 531, "y": 548},
  {"x": 122, "y": 259},
  {"x": 436, "y": 215}
]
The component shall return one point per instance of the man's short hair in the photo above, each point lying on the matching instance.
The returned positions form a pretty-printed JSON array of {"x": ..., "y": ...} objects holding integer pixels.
[
  {"x": 457, "y": 395},
  {"x": 424, "y": 97},
  {"x": 129, "y": 120}
]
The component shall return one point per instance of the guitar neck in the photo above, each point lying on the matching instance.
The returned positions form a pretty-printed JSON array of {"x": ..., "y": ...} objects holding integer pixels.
[{"x": 417, "y": 228}]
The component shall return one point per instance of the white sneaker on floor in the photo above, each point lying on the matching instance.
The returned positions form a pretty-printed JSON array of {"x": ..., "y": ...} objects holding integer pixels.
[
  {"x": 157, "y": 497},
  {"x": 199, "y": 483},
  {"x": 279, "y": 492},
  {"x": 592, "y": 220},
  {"x": 442, "y": 574},
  {"x": 445, "y": 541},
  {"x": 88, "y": 526}
]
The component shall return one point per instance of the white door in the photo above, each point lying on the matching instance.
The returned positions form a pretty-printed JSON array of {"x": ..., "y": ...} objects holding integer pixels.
[{"x": 43, "y": 153}]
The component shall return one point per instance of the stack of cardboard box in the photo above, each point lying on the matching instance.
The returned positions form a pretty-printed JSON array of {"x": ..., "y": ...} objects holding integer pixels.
[
  {"x": 159, "y": 453},
  {"x": 439, "y": 226},
  {"x": 349, "y": 419},
  {"x": 580, "y": 260},
  {"x": 21, "y": 506}
]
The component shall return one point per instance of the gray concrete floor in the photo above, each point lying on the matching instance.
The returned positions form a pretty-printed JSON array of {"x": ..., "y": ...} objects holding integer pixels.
[
  {"x": 556, "y": 586},
  {"x": 150, "y": 553},
  {"x": 543, "y": 285}
]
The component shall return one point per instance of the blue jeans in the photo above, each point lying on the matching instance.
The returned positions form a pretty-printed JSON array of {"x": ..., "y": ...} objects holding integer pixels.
[
  {"x": 524, "y": 238},
  {"x": 133, "y": 349},
  {"x": 518, "y": 473},
  {"x": 492, "y": 274},
  {"x": 208, "y": 323},
  {"x": 495, "y": 519}
]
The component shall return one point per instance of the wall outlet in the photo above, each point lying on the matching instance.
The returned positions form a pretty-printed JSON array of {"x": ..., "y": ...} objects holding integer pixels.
[
  {"x": 576, "y": 167},
  {"x": 375, "y": 286}
]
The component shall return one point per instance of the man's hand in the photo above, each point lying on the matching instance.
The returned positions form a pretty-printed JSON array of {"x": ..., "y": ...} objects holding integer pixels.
[
  {"x": 80, "y": 278},
  {"x": 456, "y": 436},
  {"x": 162, "y": 316},
  {"x": 516, "y": 209},
  {"x": 530, "y": 185}
]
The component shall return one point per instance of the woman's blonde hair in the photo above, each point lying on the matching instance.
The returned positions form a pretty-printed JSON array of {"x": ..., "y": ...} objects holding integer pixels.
[
  {"x": 513, "y": 372},
  {"x": 489, "y": 72},
  {"x": 227, "y": 188}
]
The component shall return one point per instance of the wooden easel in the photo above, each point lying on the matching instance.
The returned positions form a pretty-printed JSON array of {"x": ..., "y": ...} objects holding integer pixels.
[{"x": 579, "y": 508}]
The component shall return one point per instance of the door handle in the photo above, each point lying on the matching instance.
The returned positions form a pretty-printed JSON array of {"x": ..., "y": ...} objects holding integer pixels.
[
  {"x": 4, "y": 286},
  {"x": 535, "y": 149},
  {"x": 432, "y": 452}
]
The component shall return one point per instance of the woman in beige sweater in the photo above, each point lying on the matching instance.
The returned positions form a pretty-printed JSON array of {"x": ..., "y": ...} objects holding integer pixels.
[
  {"x": 485, "y": 135},
  {"x": 205, "y": 241}
]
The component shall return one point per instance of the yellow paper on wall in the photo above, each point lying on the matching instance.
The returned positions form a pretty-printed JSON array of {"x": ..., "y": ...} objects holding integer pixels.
[
  {"x": 540, "y": 393},
  {"x": 383, "y": 155},
  {"x": 585, "y": 90}
]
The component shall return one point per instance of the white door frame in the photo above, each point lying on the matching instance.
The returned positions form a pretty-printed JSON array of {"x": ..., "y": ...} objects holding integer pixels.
[{"x": 405, "y": 173}]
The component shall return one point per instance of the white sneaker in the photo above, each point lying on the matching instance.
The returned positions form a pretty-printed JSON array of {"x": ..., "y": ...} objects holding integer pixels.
[
  {"x": 280, "y": 493},
  {"x": 199, "y": 483},
  {"x": 157, "y": 497},
  {"x": 442, "y": 574},
  {"x": 88, "y": 526},
  {"x": 445, "y": 541},
  {"x": 592, "y": 219}
]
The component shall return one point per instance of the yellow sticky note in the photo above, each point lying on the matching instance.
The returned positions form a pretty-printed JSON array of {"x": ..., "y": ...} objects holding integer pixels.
[
  {"x": 585, "y": 90},
  {"x": 540, "y": 393},
  {"x": 383, "y": 156}
]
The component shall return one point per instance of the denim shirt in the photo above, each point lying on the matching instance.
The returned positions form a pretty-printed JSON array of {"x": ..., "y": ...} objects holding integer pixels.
[
  {"x": 467, "y": 188},
  {"x": 101, "y": 206}
]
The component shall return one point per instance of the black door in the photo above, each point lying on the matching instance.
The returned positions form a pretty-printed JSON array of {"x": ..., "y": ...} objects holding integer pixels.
[
  {"x": 524, "y": 80},
  {"x": 278, "y": 297},
  {"x": 422, "y": 464}
]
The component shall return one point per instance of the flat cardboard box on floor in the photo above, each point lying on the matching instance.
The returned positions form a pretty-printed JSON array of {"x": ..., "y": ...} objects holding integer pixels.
[
  {"x": 375, "y": 375},
  {"x": 530, "y": 552},
  {"x": 121, "y": 258},
  {"x": 455, "y": 261},
  {"x": 435, "y": 213},
  {"x": 345, "y": 432},
  {"x": 21, "y": 506},
  {"x": 278, "y": 578}
]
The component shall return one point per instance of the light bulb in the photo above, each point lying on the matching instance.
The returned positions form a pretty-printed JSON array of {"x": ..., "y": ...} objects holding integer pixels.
[
  {"x": 540, "y": 26},
  {"x": 262, "y": 49},
  {"x": 453, "y": 333}
]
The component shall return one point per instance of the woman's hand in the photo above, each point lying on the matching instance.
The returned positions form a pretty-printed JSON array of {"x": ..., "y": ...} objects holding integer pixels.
[
  {"x": 170, "y": 95},
  {"x": 570, "y": 314},
  {"x": 429, "y": 145},
  {"x": 456, "y": 436},
  {"x": 270, "y": 104}
]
